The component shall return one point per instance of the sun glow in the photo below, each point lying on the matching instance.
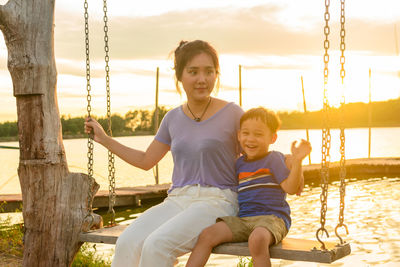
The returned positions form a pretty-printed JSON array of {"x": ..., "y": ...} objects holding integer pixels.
[
  {"x": 275, "y": 81},
  {"x": 271, "y": 72}
]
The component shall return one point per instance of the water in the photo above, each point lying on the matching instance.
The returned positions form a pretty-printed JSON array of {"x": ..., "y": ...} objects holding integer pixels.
[
  {"x": 371, "y": 211},
  {"x": 371, "y": 214},
  {"x": 384, "y": 144}
]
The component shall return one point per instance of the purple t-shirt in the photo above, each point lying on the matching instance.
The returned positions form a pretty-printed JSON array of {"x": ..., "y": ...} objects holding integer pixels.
[{"x": 204, "y": 152}]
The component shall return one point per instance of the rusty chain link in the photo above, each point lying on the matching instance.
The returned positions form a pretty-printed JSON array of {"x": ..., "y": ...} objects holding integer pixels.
[
  {"x": 111, "y": 160},
  {"x": 90, "y": 144},
  {"x": 326, "y": 135},
  {"x": 342, "y": 171}
]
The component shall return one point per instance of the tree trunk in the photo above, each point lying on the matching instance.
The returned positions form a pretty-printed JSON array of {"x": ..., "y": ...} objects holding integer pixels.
[{"x": 55, "y": 201}]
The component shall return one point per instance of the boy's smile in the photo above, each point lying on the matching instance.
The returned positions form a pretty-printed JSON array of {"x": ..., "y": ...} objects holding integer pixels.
[{"x": 255, "y": 137}]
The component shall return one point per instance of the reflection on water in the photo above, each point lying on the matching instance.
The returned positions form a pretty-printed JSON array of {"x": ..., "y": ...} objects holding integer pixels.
[
  {"x": 371, "y": 214},
  {"x": 384, "y": 144},
  {"x": 372, "y": 206}
]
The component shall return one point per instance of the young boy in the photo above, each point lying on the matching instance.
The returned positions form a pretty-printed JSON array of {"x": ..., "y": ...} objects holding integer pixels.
[{"x": 264, "y": 180}]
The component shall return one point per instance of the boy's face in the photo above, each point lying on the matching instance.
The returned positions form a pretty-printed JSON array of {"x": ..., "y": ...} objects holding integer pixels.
[{"x": 255, "y": 137}]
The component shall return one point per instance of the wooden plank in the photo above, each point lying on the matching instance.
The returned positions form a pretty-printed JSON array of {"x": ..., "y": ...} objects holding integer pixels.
[
  {"x": 292, "y": 249},
  {"x": 104, "y": 235},
  {"x": 289, "y": 249}
]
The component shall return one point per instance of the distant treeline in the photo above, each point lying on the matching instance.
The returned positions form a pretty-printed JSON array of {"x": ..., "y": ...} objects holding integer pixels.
[
  {"x": 136, "y": 122},
  {"x": 139, "y": 122},
  {"x": 133, "y": 123},
  {"x": 383, "y": 114}
]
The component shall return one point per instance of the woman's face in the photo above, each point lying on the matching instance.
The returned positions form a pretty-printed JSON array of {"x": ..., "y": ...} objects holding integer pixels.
[{"x": 198, "y": 77}]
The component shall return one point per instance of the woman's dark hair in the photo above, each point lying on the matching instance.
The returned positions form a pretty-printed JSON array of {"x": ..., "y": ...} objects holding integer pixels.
[{"x": 186, "y": 51}]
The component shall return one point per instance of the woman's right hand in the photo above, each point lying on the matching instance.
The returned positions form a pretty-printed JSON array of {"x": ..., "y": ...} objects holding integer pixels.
[
  {"x": 141, "y": 159},
  {"x": 94, "y": 128}
]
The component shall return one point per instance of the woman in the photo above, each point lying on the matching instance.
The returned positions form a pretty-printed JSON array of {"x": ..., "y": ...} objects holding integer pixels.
[{"x": 201, "y": 135}]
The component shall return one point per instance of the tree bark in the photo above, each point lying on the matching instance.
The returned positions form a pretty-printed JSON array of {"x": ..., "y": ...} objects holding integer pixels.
[{"x": 55, "y": 201}]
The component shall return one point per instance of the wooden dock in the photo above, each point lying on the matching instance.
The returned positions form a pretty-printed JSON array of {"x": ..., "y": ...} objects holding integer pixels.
[
  {"x": 132, "y": 196},
  {"x": 125, "y": 196},
  {"x": 355, "y": 169}
]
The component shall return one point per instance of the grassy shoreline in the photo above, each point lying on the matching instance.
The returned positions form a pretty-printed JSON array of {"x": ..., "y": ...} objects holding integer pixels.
[
  {"x": 12, "y": 247},
  {"x": 77, "y": 136},
  {"x": 11, "y": 236}
]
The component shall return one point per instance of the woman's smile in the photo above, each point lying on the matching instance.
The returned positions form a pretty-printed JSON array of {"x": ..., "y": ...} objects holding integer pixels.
[{"x": 198, "y": 78}]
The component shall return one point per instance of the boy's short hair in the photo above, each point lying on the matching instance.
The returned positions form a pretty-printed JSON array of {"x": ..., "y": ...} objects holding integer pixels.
[{"x": 268, "y": 117}]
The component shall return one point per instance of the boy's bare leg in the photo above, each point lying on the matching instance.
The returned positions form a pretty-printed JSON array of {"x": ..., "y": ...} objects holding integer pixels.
[
  {"x": 210, "y": 237},
  {"x": 259, "y": 241}
]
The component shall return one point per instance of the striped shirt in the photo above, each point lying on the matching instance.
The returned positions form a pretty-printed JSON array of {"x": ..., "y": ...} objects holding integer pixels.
[{"x": 259, "y": 188}]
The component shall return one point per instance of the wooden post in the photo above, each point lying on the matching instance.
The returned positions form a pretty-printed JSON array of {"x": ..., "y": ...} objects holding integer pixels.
[
  {"x": 305, "y": 112},
  {"x": 156, "y": 176},
  {"x": 369, "y": 117},
  {"x": 396, "y": 40},
  {"x": 55, "y": 201},
  {"x": 240, "y": 85},
  {"x": 397, "y": 47}
]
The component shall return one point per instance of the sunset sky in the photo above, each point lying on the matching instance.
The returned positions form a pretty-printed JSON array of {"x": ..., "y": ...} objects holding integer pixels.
[{"x": 276, "y": 42}]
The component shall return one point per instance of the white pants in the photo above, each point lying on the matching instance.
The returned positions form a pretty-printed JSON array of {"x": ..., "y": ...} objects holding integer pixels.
[{"x": 170, "y": 229}]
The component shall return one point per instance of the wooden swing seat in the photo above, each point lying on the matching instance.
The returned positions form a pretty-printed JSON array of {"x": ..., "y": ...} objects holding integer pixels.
[{"x": 289, "y": 249}]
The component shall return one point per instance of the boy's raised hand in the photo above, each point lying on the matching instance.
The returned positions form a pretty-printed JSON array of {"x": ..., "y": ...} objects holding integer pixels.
[{"x": 300, "y": 151}]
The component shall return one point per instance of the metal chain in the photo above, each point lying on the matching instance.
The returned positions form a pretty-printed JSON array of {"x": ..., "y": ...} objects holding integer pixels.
[
  {"x": 326, "y": 135},
  {"x": 111, "y": 160},
  {"x": 342, "y": 172},
  {"x": 342, "y": 41},
  {"x": 90, "y": 144}
]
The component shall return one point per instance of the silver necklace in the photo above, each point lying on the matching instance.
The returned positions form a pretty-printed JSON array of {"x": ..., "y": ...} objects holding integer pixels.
[{"x": 198, "y": 119}]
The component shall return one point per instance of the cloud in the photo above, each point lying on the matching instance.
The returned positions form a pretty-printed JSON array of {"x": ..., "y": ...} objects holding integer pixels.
[
  {"x": 254, "y": 30},
  {"x": 72, "y": 95},
  {"x": 276, "y": 66},
  {"x": 391, "y": 73},
  {"x": 77, "y": 68},
  {"x": 378, "y": 38},
  {"x": 231, "y": 30}
]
